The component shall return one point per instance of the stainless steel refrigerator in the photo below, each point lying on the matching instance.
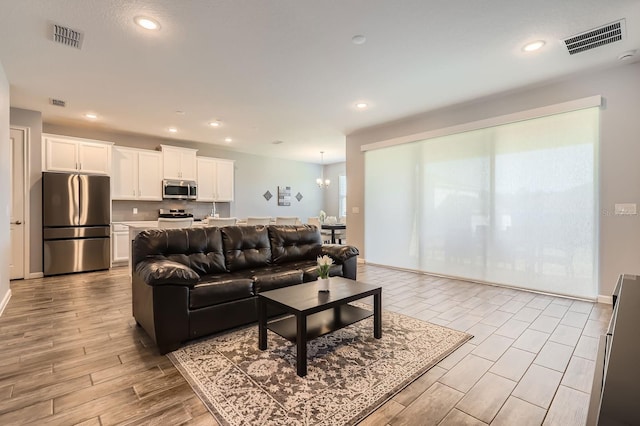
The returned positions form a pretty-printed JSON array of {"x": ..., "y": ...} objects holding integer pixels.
[{"x": 76, "y": 216}]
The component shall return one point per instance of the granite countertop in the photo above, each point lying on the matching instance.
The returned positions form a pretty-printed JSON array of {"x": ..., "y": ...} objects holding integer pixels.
[
  {"x": 139, "y": 223},
  {"x": 146, "y": 224}
]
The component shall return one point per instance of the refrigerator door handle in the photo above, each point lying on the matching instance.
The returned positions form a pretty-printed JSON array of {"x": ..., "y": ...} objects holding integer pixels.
[{"x": 76, "y": 199}]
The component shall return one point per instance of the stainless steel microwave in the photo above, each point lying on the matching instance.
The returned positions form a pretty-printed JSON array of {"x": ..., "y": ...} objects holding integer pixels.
[{"x": 179, "y": 189}]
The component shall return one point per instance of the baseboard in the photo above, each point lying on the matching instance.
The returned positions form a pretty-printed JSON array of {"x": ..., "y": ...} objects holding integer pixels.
[
  {"x": 36, "y": 275},
  {"x": 361, "y": 260},
  {"x": 5, "y": 301},
  {"x": 605, "y": 299}
]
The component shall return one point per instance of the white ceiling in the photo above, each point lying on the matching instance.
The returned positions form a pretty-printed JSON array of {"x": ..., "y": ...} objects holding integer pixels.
[{"x": 287, "y": 69}]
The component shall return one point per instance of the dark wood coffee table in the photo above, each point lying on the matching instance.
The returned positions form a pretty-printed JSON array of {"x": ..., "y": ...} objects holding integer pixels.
[{"x": 316, "y": 313}]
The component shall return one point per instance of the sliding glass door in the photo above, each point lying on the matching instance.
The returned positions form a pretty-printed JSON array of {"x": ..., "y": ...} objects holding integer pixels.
[{"x": 512, "y": 204}]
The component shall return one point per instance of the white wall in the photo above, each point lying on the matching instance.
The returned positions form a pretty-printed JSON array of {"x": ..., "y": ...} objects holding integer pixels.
[
  {"x": 619, "y": 174},
  {"x": 5, "y": 167}
]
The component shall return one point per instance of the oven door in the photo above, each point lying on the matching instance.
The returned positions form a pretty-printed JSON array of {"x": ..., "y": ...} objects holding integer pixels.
[{"x": 175, "y": 190}]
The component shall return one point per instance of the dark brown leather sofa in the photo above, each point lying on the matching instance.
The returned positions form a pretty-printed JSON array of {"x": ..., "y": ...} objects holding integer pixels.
[{"x": 191, "y": 282}]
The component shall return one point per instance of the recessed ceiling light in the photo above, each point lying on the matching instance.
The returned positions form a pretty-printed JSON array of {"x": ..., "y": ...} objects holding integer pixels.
[
  {"x": 361, "y": 105},
  {"x": 227, "y": 140},
  {"x": 91, "y": 116},
  {"x": 173, "y": 130},
  {"x": 215, "y": 123},
  {"x": 358, "y": 39},
  {"x": 535, "y": 45},
  {"x": 147, "y": 23}
]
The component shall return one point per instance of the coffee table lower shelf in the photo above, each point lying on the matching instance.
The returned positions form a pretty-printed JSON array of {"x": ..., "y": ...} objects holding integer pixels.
[{"x": 320, "y": 323}]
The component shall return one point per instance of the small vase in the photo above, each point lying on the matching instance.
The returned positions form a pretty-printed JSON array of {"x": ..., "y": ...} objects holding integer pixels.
[{"x": 323, "y": 284}]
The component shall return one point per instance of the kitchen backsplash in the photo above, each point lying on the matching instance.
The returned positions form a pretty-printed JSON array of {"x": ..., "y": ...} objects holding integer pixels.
[{"x": 122, "y": 211}]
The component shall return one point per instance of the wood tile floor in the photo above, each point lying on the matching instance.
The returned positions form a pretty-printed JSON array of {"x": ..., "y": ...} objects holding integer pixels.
[{"x": 70, "y": 353}]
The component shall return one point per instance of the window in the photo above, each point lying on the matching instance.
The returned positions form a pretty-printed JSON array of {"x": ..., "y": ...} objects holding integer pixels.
[
  {"x": 342, "y": 189},
  {"x": 513, "y": 204}
]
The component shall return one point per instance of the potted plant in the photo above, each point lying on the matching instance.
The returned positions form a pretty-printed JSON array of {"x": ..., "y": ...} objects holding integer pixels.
[{"x": 324, "y": 264}]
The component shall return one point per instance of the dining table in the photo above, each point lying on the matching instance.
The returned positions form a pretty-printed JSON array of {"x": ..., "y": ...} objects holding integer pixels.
[{"x": 333, "y": 227}]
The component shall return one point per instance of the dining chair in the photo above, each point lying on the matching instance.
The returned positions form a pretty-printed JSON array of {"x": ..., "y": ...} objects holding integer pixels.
[
  {"x": 287, "y": 220},
  {"x": 258, "y": 221},
  {"x": 168, "y": 222},
  {"x": 341, "y": 234},
  {"x": 221, "y": 221},
  {"x": 324, "y": 233}
]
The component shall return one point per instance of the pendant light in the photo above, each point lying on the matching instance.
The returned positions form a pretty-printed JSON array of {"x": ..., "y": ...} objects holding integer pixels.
[{"x": 321, "y": 181}]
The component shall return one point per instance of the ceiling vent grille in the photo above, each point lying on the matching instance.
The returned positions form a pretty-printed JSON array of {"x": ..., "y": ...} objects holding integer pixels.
[
  {"x": 67, "y": 36},
  {"x": 606, "y": 34},
  {"x": 57, "y": 102}
]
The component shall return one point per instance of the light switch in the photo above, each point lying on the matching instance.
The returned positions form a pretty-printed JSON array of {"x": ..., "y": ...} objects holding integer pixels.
[
  {"x": 355, "y": 210},
  {"x": 135, "y": 210},
  {"x": 626, "y": 209}
]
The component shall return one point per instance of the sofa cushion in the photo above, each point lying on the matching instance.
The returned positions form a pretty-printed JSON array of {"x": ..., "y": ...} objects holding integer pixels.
[
  {"x": 246, "y": 247},
  {"x": 199, "y": 248},
  {"x": 215, "y": 289},
  {"x": 292, "y": 243},
  {"x": 274, "y": 277}
]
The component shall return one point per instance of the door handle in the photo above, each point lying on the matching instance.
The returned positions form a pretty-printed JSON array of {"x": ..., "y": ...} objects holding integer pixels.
[{"x": 17, "y": 222}]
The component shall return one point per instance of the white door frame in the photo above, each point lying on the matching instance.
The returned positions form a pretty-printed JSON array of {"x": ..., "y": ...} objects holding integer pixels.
[{"x": 25, "y": 190}]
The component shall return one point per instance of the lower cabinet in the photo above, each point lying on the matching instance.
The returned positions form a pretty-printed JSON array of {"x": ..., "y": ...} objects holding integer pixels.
[{"x": 120, "y": 244}]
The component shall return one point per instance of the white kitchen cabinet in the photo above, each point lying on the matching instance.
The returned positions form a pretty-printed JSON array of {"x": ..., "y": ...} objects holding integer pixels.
[
  {"x": 67, "y": 154},
  {"x": 120, "y": 244},
  {"x": 137, "y": 174},
  {"x": 224, "y": 180},
  {"x": 215, "y": 179},
  {"x": 206, "y": 179},
  {"x": 179, "y": 163}
]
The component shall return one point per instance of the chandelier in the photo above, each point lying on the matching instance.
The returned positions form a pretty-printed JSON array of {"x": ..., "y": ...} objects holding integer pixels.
[{"x": 321, "y": 181}]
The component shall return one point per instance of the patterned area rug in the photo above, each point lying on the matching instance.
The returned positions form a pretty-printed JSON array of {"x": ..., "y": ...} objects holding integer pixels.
[{"x": 349, "y": 375}]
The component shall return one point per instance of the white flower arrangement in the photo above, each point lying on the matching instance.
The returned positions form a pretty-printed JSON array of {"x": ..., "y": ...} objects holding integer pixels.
[{"x": 324, "y": 264}]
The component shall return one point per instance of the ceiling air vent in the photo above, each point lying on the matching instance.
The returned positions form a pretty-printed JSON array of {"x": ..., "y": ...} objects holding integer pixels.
[
  {"x": 57, "y": 102},
  {"x": 67, "y": 36},
  {"x": 597, "y": 37}
]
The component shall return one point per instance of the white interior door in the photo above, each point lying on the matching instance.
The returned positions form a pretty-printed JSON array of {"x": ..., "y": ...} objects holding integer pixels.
[{"x": 17, "y": 227}]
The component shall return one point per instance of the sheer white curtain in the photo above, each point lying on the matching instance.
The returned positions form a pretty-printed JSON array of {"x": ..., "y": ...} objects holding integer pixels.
[{"x": 513, "y": 204}]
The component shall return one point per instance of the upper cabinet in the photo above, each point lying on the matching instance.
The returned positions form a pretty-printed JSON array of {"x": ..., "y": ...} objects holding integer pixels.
[
  {"x": 137, "y": 174},
  {"x": 224, "y": 180},
  {"x": 179, "y": 163},
  {"x": 66, "y": 154},
  {"x": 215, "y": 179}
]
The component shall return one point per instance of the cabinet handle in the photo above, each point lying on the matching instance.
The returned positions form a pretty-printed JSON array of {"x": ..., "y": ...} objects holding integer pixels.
[{"x": 134, "y": 192}]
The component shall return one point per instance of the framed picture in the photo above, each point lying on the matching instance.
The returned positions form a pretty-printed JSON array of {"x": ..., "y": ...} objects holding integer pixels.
[{"x": 284, "y": 195}]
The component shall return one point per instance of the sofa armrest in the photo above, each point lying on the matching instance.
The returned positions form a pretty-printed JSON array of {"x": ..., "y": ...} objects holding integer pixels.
[
  {"x": 162, "y": 272},
  {"x": 339, "y": 253}
]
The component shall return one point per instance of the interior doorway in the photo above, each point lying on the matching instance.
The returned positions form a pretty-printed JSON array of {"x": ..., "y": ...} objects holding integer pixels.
[{"x": 19, "y": 259}]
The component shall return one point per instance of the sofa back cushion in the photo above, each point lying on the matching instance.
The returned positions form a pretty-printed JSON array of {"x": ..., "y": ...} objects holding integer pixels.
[
  {"x": 246, "y": 247},
  {"x": 292, "y": 243},
  {"x": 199, "y": 248}
]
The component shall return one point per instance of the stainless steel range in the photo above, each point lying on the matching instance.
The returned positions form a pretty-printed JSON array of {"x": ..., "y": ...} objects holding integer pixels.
[{"x": 175, "y": 213}]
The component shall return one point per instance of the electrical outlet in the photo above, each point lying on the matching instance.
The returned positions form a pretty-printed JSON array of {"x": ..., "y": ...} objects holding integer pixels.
[
  {"x": 135, "y": 210},
  {"x": 355, "y": 210}
]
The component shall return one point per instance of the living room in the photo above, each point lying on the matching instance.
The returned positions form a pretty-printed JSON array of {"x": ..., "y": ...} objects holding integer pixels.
[{"x": 616, "y": 81}]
